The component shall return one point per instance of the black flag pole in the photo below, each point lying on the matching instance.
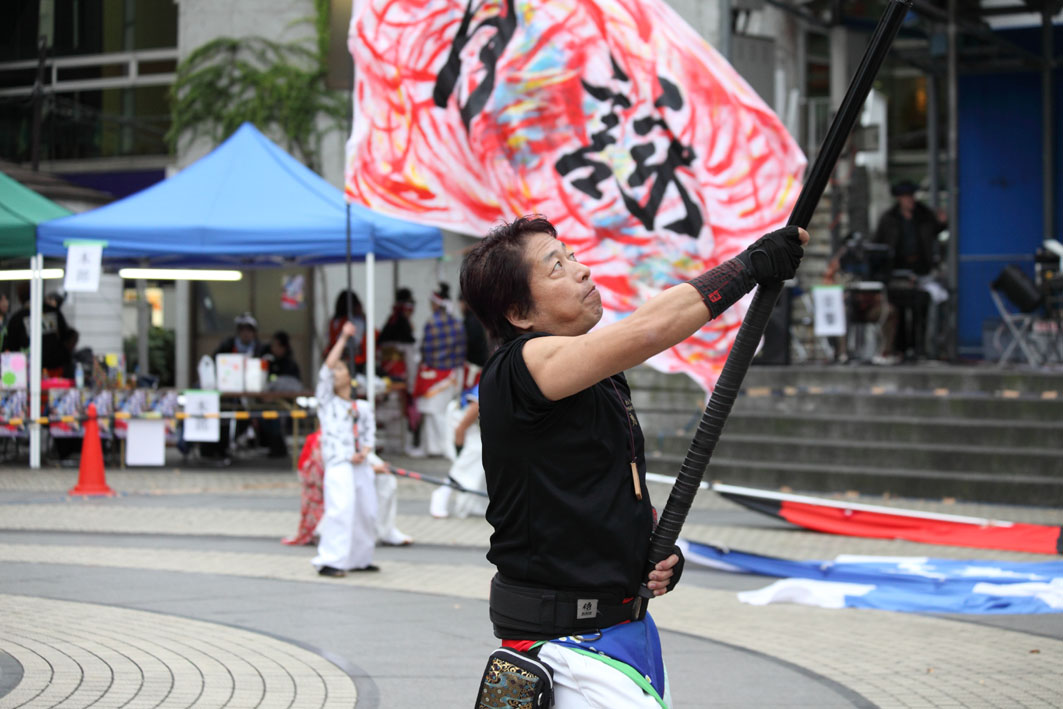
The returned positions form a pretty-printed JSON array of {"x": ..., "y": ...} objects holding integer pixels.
[
  {"x": 734, "y": 370},
  {"x": 446, "y": 482}
]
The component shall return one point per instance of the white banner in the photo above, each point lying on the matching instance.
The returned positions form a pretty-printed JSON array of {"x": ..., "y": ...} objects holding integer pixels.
[
  {"x": 198, "y": 404},
  {"x": 828, "y": 302},
  {"x": 146, "y": 442},
  {"x": 83, "y": 268}
]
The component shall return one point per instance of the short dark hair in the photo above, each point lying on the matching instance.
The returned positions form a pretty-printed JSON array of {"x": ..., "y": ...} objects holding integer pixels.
[
  {"x": 494, "y": 275},
  {"x": 340, "y": 311},
  {"x": 283, "y": 340}
]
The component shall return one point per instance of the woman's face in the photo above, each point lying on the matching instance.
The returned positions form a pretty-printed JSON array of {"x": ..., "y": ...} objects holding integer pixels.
[
  {"x": 277, "y": 349},
  {"x": 564, "y": 299},
  {"x": 341, "y": 378}
]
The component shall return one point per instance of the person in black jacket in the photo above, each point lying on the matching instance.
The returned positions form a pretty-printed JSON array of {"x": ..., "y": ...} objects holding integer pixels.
[
  {"x": 910, "y": 230},
  {"x": 54, "y": 354},
  {"x": 563, "y": 452}
]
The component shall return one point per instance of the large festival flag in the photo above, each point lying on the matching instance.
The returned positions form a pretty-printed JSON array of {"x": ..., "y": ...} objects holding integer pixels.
[{"x": 613, "y": 118}]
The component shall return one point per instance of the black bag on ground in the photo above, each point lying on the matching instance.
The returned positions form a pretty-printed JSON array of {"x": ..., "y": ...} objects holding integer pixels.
[{"x": 515, "y": 679}]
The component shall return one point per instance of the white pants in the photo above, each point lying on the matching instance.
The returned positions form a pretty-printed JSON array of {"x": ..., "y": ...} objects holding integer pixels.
[
  {"x": 387, "y": 506},
  {"x": 467, "y": 471},
  {"x": 581, "y": 682},
  {"x": 348, "y": 529},
  {"x": 436, "y": 435}
]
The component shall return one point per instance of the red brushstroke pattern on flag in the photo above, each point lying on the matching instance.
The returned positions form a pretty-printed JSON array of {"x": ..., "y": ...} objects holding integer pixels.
[{"x": 652, "y": 157}]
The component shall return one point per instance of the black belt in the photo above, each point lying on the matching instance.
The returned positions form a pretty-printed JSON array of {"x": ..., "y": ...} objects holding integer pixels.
[{"x": 521, "y": 612}]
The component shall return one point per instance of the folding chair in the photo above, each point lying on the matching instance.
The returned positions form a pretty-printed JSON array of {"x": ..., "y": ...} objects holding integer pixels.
[{"x": 1022, "y": 293}]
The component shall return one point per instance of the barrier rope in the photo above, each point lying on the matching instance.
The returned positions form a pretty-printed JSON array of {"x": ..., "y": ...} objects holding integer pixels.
[
  {"x": 152, "y": 416},
  {"x": 748, "y": 392}
]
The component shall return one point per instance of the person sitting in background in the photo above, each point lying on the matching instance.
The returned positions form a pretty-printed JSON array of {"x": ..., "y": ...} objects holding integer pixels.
[
  {"x": 283, "y": 375},
  {"x": 81, "y": 357},
  {"x": 852, "y": 265},
  {"x": 281, "y": 363},
  {"x": 910, "y": 228},
  {"x": 245, "y": 341}
]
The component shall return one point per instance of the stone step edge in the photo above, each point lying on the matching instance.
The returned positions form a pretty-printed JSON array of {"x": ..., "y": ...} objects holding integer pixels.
[
  {"x": 941, "y": 421},
  {"x": 754, "y": 439},
  {"x": 657, "y": 463},
  {"x": 1046, "y": 397}
]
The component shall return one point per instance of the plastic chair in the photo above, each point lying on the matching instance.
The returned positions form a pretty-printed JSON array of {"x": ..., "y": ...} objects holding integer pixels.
[{"x": 1021, "y": 292}]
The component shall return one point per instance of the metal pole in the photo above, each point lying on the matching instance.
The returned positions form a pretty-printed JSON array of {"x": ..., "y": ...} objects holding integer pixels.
[
  {"x": 725, "y": 29},
  {"x": 38, "y": 98},
  {"x": 143, "y": 327},
  {"x": 954, "y": 202},
  {"x": 755, "y": 322},
  {"x": 36, "y": 311},
  {"x": 932, "y": 138},
  {"x": 350, "y": 288},
  {"x": 370, "y": 325},
  {"x": 1047, "y": 129}
]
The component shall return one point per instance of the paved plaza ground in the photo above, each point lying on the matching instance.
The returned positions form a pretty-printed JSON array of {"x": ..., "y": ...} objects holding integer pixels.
[{"x": 177, "y": 593}]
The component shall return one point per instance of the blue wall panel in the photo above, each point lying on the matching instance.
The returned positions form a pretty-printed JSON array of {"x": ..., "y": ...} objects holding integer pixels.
[{"x": 1000, "y": 218}]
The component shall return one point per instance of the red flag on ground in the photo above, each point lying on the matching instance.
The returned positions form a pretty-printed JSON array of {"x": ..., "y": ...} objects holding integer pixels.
[{"x": 651, "y": 155}]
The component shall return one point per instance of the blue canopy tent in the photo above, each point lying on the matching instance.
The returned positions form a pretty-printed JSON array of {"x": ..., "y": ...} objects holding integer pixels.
[{"x": 247, "y": 203}]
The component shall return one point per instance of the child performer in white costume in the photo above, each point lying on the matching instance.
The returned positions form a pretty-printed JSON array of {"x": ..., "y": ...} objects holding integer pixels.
[{"x": 348, "y": 433}]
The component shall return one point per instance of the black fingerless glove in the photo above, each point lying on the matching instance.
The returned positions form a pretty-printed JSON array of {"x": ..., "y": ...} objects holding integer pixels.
[
  {"x": 677, "y": 570},
  {"x": 775, "y": 256}
]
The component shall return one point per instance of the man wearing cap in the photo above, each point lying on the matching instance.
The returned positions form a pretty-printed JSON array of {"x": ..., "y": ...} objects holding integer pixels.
[
  {"x": 245, "y": 341},
  {"x": 910, "y": 230}
]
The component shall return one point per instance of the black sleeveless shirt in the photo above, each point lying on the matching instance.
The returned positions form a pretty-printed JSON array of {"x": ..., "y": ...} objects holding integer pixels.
[{"x": 562, "y": 500}]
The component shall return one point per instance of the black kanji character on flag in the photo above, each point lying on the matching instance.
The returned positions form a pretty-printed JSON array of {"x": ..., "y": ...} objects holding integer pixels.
[
  {"x": 504, "y": 23},
  {"x": 662, "y": 173}
]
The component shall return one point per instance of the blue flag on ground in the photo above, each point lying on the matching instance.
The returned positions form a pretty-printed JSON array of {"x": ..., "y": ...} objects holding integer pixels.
[{"x": 911, "y": 584}]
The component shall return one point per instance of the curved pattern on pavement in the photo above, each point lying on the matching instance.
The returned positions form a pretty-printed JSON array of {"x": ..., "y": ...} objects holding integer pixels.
[
  {"x": 892, "y": 659},
  {"x": 80, "y": 655}
]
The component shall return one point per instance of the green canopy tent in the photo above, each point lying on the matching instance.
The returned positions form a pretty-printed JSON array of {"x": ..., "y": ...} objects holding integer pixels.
[{"x": 21, "y": 209}]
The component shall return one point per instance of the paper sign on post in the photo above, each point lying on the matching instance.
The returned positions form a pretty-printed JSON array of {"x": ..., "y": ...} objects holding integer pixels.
[
  {"x": 13, "y": 370},
  {"x": 828, "y": 302},
  {"x": 83, "y": 267},
  {"x": 229, "y": 369},
  {"x": 146, "y": 442},
  {"x": 197, "y": 404}
]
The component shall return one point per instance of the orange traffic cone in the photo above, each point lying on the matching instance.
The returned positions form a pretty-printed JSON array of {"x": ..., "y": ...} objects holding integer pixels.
[{"x": 91, "y": 479}]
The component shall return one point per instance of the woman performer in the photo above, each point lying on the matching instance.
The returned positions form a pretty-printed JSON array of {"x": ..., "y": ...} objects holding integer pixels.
[{"x": 563, "y": 454}]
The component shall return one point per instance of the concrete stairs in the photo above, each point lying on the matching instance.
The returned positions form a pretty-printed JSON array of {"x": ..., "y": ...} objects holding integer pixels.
[{"x": 969, "y": 433}]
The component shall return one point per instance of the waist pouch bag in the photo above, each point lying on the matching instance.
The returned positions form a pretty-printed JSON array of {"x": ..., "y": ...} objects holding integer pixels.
[{"x": 516, "y": 679}]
